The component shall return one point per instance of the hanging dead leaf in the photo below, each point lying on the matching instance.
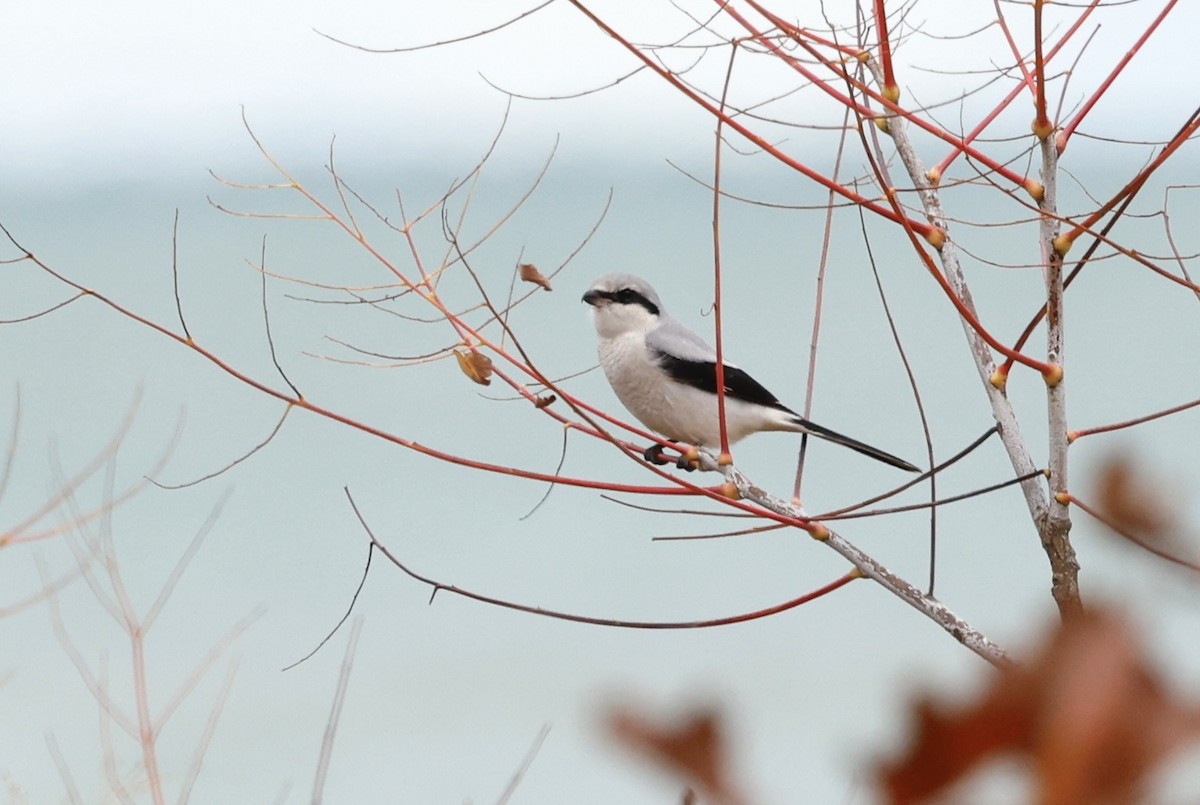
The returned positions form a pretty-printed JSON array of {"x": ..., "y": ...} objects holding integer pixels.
[
  {"x": 530, "y": 273},
  {"x": 544, "y": 402},
  {"x": 694, "y": 748},
  {"x": 1141, "y": 508},
  {"x": 1088, "y": 713},
  {"x": 1130, "y": 501},
  {"x": 475, "y": 365}
]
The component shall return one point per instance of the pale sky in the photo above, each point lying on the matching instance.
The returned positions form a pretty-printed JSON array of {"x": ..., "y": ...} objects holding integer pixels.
[{"x": 90, "y": 85}]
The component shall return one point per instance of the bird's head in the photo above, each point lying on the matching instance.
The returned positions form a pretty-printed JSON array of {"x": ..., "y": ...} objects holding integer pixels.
[{"x": 623, "y": 303}]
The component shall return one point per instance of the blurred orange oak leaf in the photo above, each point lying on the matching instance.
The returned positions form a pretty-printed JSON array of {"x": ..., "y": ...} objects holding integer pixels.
[
  {"x": 530, "y": 273},
  {"x": 1130, "y": 502},
  {"x": 1139, "y": 508},
  {"x": 475, "y": 365},
  {"x": 1088, "y": 713},
  {"x": 693, "y": 749}
]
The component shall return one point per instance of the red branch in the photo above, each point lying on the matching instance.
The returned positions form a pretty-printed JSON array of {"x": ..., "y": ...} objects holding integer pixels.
[
  {"x": 890, "y": 90},
  {"x": 1140, "y": 541},
  {"x": 891, "y": 107},
  {"x": 741, "y": 129},
  {"x": 1063, "y": 242},
  {"x": 1065, "y": 134},
  {"x": 1129, "y": 423},
  {"x": 937, "y": 172},
  {"x": 1042, "y": 127}
]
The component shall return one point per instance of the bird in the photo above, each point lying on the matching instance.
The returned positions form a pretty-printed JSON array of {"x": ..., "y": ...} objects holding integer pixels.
[{"x": 666, "y": 376}]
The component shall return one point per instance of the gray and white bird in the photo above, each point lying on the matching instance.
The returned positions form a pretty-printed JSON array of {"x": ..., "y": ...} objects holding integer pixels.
[{"x": 666, "y": 375}]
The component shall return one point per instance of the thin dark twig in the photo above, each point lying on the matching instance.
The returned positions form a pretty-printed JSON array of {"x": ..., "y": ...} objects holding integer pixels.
[
  {"x": 916, "y": 393},
  {"x": 818, "y": 306},
  {"x": 40, "y": 313},
  {"x": 267, "y": 322},
  {"x": 455, "y": 40},
  {"x": 660, "y": 510},
  {"x": 175, "y": 274},
  {"x": 1166, "y": 216},
  {"x": 718, "y": 328},
  {"x": 1141, "y": 542},
  {"x": 741, "y": 532},
  {"x": 566, "y": 96},
  {"x": 340, "y": 188},
  {"x": 993, "y": 430},
  {"x": 436, "y": 586},
  {"x": 561, "y": 460},
  {"x": 933, "y": 504},
  {"x": 512, "y": 288},
  {"x": 361, "y": 583},
  {"x": 233, "y": 463}
]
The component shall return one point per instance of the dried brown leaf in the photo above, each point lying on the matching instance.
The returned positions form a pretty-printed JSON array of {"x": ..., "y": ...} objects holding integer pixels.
[
  {"x": 1087, "y": 712},
  {"x": 693, "y": 748},
  {"x": 1130, "y": 502},
  {"x": 545, "y": 402},
  {"x": 475, "y": 365},
  {"x": 530, "y": 273},
  {"x": 1140, "y": 508}
]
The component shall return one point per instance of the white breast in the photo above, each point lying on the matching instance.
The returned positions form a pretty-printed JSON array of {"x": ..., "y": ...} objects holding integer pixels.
[{"x": 679, "y": 412}]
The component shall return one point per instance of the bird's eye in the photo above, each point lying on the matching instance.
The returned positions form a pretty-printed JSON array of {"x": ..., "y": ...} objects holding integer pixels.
[{"x": 630, "y": 296}]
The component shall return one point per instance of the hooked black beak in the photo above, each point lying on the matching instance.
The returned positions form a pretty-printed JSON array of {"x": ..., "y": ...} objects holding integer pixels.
[{"x": 594, "y": 297}]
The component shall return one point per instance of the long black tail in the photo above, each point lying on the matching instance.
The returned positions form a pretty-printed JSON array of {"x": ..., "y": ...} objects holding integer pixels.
[{"x": 854, "y": 444}]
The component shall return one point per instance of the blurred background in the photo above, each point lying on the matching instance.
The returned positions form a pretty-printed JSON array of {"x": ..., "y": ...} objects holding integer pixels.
[{"x": 119, "y": 115}]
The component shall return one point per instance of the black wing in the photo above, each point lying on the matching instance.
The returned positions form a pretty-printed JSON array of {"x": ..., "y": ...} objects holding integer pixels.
[{"x": 703, "y": 375}]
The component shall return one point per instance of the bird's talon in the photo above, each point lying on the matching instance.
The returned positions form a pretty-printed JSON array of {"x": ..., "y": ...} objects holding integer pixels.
[
  {"x": 685, "y": 463},
  {"x": 654, "y": 454}
]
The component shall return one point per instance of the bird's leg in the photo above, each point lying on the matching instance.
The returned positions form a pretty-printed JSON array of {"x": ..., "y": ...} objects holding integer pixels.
[{"x": 654, "y": 454}]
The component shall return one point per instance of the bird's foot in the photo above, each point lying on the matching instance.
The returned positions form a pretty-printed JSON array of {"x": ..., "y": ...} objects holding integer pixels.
[{"x": 654, "y": 454}]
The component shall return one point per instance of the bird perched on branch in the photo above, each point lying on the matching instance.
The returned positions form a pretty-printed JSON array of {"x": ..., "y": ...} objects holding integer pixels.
[{"x": 666, "y": 376}]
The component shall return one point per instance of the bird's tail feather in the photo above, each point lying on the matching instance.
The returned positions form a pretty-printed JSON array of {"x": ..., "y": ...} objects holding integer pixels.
[{"x": 854, "y": 444}]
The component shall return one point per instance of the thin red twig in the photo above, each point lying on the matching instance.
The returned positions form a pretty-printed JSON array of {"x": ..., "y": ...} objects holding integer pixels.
[
  {"x": 750, "y": 135},
  {"x": 1065, "y": 135}
]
